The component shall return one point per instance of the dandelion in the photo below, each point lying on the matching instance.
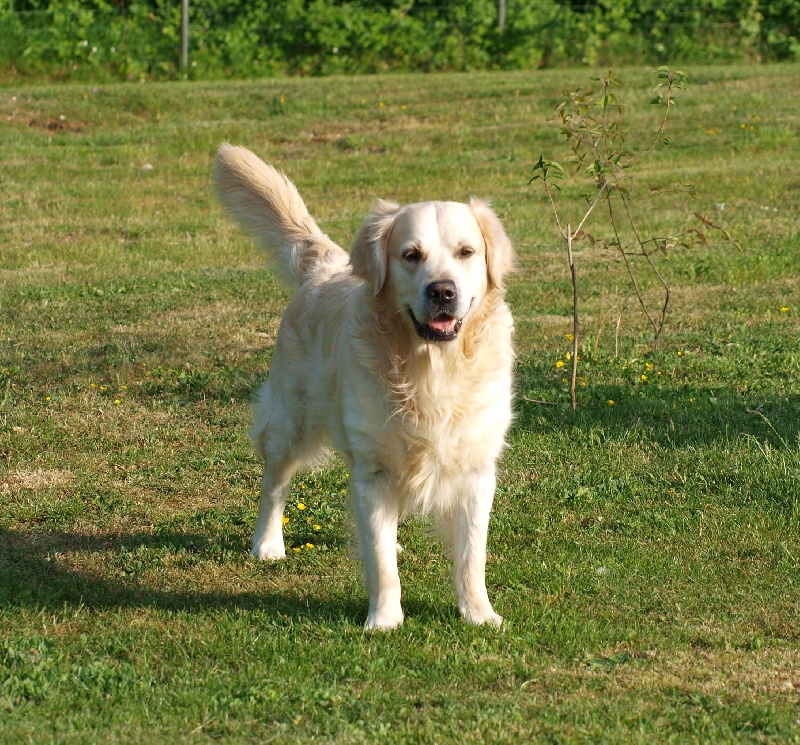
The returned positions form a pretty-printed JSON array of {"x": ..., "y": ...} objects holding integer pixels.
[
  {"x": 612, "y": 402},
  {"x": 117, "y": 402},
  {"x": 92, "y": 385},
  {"x": 644, "y": 377},
  {"x": 570, "y": 337},
  {"x": 300, "y": 506},
  {"x": 317, "y": 527},
  {"x": 284, "y": 520},
  {"x": 123, "y": 387},
  {"x": 381, "y": 104},
  {"x": 102, "y": 387},
  {"x": 296, "y": 549},
  {"x": 560, "y": 363},
  {"x": 648, "y": 366},
  {"x": 680, "y": 353},
  {"x": 785, "y": 309},
  {"x": 403, "y": 107},
  {"x": 309, "y": 545},
  {"x": 47, "y": 398}
]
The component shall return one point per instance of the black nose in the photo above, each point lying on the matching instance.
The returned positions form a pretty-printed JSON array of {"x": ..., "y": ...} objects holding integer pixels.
[{"x": 441, "y": 292}]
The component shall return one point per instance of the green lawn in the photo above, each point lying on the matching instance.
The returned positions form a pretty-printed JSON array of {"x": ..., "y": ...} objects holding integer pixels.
[{"x": 645, "y": 554}]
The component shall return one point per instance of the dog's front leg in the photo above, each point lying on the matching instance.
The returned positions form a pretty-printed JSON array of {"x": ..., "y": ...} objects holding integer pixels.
[
  {"x": 376, "y": 519},
  {"x": 469, "y": 529}
]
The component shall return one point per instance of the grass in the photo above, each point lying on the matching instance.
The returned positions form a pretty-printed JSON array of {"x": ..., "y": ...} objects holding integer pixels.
[{"x": 645, "y": 554}]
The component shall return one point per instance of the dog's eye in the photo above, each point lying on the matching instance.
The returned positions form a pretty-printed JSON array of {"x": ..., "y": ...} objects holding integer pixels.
[
  {"x": 464, "y": 252},
  {"x": 412, "y": 255}
]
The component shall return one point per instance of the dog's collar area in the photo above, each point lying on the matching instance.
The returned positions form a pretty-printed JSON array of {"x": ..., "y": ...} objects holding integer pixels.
[{"x": 424, "y": 331}]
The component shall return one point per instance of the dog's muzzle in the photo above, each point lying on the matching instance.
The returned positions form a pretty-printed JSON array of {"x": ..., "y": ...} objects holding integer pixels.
[
  {"x": 442, "y": 299},
  {"x": 442, "y": 327}
]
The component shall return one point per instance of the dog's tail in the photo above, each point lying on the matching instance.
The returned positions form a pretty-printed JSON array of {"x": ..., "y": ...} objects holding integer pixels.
[{"x": 266, "y": 204}]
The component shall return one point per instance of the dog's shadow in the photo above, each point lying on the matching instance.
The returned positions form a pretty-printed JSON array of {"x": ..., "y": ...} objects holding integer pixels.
[{"x": 33, "y": 573}]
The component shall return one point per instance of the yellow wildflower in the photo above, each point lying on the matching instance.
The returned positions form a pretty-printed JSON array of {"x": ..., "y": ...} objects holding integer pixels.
[
  {"x": 611, "y": 402},
  {"x": 309, "y": 545},
  {"x": 284, "y": 519},
  {"x": 300, "y": 506},
  {"x": 560, "y": 363}
]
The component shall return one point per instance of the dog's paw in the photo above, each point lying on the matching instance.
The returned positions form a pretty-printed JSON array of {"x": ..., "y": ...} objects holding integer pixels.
[
  {"x": 268, "y": 552},
  {"x": 483, "y": 618},
  {"x": 383, "y": 621}
]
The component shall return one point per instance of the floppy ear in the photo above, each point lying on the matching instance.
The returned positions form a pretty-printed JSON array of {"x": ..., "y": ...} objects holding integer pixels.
[
  {"x": 369, "y": 253},
  {"x": 499, "y": 252}
]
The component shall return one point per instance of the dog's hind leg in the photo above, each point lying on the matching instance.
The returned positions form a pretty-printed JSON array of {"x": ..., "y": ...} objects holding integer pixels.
[
  {"x": 268, "y": 536},
  {"x": 286, "y": 445}
]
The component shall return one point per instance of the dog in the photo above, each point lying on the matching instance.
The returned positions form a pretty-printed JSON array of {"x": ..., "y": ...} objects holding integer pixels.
[{"x": 399, "y": 355}]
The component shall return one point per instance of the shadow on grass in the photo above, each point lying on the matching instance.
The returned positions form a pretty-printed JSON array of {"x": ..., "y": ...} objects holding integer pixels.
[
  {"x": 30, "y": 576},
  {"x": 670, "y": 417}
]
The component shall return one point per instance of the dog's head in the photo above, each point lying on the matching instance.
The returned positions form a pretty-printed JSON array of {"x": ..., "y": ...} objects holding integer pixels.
[{"x": 435, "y": 261}]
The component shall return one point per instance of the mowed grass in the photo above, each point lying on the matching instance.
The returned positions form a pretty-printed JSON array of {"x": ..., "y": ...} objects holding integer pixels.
[{"x": 645, "y": 554}]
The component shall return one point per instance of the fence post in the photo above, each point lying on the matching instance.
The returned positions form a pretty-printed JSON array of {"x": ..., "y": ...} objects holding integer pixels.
[
  {"x": 501, "y": 16},
  {"x": 185, "y": 34}
]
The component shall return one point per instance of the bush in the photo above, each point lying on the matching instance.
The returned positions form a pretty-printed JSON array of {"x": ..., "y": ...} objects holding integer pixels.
[{"x": 96, "y": 39}]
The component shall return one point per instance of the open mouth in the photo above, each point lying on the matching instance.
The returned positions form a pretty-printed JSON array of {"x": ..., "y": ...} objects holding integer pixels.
[{"x": 442, "y": 327}]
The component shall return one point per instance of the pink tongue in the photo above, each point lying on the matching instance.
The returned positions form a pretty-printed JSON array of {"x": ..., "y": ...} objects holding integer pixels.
[{"x": 444, "y": 324}]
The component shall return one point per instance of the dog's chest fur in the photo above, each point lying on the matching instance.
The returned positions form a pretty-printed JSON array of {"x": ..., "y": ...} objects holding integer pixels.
[{"x": 447, "y": 427}]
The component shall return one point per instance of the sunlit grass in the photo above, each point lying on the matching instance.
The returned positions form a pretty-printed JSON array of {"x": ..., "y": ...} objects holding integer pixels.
[{"x": 644, "y": 551}]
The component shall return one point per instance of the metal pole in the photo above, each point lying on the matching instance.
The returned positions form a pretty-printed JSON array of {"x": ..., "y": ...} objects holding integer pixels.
[
  {"x": 501, "y": 16},
  {"x": 185, "y": 34}
]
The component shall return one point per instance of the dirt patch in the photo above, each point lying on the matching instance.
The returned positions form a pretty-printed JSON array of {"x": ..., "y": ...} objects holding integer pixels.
[
  {"x": 61, "y": 124},
  {"x": 35, "y": 480}
]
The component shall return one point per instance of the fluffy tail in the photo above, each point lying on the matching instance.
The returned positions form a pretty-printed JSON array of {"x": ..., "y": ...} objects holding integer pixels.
[{"x": 266, "y": 204}]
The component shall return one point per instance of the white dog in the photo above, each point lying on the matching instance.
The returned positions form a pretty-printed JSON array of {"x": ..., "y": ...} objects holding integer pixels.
[{"x": 398, "y": 354}]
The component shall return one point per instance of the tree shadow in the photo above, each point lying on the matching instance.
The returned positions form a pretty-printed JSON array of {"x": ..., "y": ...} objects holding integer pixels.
[{"x": 670, "y": 417}]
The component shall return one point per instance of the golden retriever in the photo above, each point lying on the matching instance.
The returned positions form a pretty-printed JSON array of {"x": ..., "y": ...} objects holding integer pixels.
[{"x": 400, "y": 356}]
